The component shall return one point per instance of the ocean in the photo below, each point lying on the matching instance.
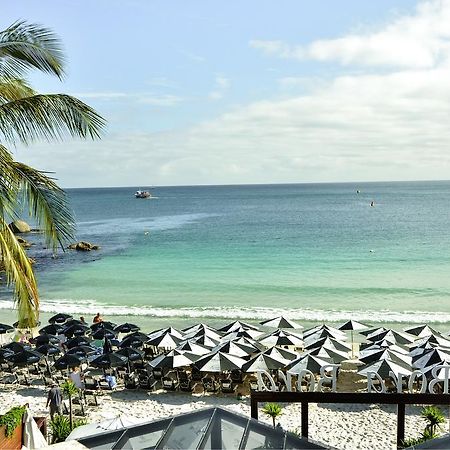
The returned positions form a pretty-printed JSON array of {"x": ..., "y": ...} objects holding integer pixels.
[{"x": 313, "y": 252}]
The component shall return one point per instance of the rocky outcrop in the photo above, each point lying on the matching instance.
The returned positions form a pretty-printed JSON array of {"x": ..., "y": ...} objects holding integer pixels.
[
  {"x": 83, "y": 246},
  {"x": 19, "y": 226}
]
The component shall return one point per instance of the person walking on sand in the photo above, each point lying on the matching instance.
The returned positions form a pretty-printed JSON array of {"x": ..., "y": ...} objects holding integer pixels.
[
  {"x": 97, "y": 318},
  {"x": 54, "y": 399}
]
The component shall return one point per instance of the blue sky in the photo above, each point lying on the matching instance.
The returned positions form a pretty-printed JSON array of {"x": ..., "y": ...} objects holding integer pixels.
[{"x": 209, "y": 92}]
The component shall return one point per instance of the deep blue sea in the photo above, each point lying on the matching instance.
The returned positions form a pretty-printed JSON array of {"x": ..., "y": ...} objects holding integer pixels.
[{"x": 310, "y": 251}]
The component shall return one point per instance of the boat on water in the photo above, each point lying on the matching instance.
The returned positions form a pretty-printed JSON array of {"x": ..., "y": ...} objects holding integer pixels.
[{"x": 142, "y": 194}]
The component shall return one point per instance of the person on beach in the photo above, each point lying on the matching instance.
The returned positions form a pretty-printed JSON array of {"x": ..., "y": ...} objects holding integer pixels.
[
  {"x": 83, "y": 320},
  {"x": 97, "y": 319},
  {"x": 54, "y": 399},
  {"x": 62, "y": 341},
  {"x": 77, "y": 378}
]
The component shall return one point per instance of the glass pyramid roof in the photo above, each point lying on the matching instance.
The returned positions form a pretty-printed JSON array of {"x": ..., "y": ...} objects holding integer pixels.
[{"x": 211, "y": 428}]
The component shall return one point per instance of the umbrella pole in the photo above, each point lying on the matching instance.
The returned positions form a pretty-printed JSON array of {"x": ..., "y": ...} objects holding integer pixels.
[{"x": 353, "y": 354}]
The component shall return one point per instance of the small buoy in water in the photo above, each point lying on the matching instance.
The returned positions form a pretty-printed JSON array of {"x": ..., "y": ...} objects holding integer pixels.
[
  {"x": 371, "y": 251},
  {"x": 146, "y": 233},
  {"x": 358, "y": 191},
  {"x": 372, "y": 203}
]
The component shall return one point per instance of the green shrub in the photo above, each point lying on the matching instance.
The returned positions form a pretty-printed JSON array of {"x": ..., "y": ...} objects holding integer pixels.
[
  {"x": 272, "y": 410},
  {"x": 60, "y": 426},
  {"x": 12, "y": 419}
]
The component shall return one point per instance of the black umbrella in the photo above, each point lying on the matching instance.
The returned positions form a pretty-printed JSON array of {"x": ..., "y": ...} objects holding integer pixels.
[
  {"x": 131, "y": 354},
  {"x": 5, "y": 328},
  {"x": 237, "y": 326},
  {"x": 76, "y": 330},
  {"x": 81, "y": 350},
  {"x": 67, "y": 361},
  {"x": 103, "y": 325},
  {"x": 53, "y": 329},
  {"x": 103, "y": 333},
  {"x": 71, "y": 322},
  {"x": 78, "y": 340},
  {"x": 17, "y": 347},
  {"x": 4, "y": 353},
  {"x": 59, "y": 318},
  {"x": 47, "y": 349},
  {"x": 109, "y": 360},
  {"x": 107, "y": 347},
  {"x": 126, "y": 328},
  {"x": 25, "y": 357},
  {"x": 44, "y": 339}
]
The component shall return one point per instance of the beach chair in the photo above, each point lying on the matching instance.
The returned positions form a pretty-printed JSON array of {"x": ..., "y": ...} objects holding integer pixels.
[
  {"x": 90, "y": 383},
  {"x": 209, "y": 384},
  {"x": 131, "y": 381},
  {"x": 186, "y": 385},
  {"x": 157, "y": 373},
  {"x": 253, "y": 384},
  {"x": 227, "y": 386},
  {"x": 236, "y": 376},
  {"x": 196, "y": 374},
  {"x": 169, "y": 384}
]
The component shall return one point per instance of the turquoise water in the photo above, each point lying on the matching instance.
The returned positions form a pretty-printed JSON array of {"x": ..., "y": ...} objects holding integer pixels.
[{"x": 314, "y": 252}]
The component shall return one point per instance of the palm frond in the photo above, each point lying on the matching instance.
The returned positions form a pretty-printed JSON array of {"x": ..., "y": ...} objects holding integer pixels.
[
  {"x": 9, "y": 185},
  {"x": 19, "y": 273},
  {"x": 14, "y": 89},
  {"x": 50, "y": 117},
  {"x": 48, "y": 204},
  {"x": 25, "y": 46}
]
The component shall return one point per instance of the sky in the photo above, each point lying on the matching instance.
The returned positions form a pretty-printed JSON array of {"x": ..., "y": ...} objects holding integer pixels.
[{"x": 257, "y": 91}]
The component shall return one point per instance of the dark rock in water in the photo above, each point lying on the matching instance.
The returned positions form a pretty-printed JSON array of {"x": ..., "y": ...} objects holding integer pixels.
[
  {"x": 83, "y": 246},
  {"x": 24, "y": 243},
  {"x": 19, "y": 226}
]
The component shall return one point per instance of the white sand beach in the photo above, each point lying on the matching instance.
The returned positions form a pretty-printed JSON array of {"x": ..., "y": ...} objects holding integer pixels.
[{"x": 341, "y": 426}]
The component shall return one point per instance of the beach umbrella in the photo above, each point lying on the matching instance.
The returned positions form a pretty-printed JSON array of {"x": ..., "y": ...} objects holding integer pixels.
[
  {"x": 173, "y": 359},
  {"x": 383, "y": 367},
  {"x": 76, "y": 330},
  {"x": 206, "y": 341},
  {"x": 82, "y": 351},
  {"x": 392, "y": 336},
  {"x": 68, "y": 360},
  {"x": 59, "y": 318},
  {"x": 383, "y": 345},
  {"x": 126, "y": 328},
  {"x": 238, "y": 333},
  {"x": 4, "y": 328},
  {"x": 197, "y": 327},
  {"x": 25, "y": 357},
  {"x": 4, "y": 353},
  {"x": 281, "y": 353},
  {"x": 137, "y": 335},
  {"x": 237, "y": 325},
  {"x": 193, "y": 348},
  {"x": 102, "y": 333},
  {"x": 264, "y": 362},
  {"x": 328, "y": 342},
  {"x": 219, "y": 362},
  {"x": 208, "y": 332},
  {"x": 435, "y": 339},
  {"x": 131, "y": 354},
  {"x": 327, "y": 353},
  {"x": 421, "y": 330},
  {"x": 103, "y": 325},
  {"x": 78, "y": 340},
  {"x": 307, "y": 362},
  {"x": 47, "y": 349},
  {"x": 249, "y": 345},
  {"x": 166, "y": 340},
  {"x": 371, "y": 331},
  {"x": 118, "y": 423},
  {"x": 352, "y": 325},
  {"x": 109, "y": 360},
  {"x": 71, "y": 322},
  {"x": 17, "y": 347},
  {"x": 280, "y": 322},
  {"x": 45, "y": 339},
  {"x": 431, "y": 358},
  {"x": 327, "y": 330},
  {"x": 170, "y": 330},
  {"x": 232, "y": 349},
  {"x": 131, "y": 341},
  {"x": 280, "y": 337},
  {"x": 386, "y": 353},
  {"x": 52, "y": 329}
]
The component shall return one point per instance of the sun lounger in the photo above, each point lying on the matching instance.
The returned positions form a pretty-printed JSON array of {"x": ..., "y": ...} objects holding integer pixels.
[
  {"x": 186, "y": 385},
  {"x": 169, "y": 384},
  {"x": 131, "y": 381},
  {"x": 209, "y": 384},
  {"x": 227, "y": 387}
]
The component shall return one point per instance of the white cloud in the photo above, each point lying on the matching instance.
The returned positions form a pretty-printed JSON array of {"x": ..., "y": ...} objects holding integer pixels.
[
  {"x": 416, "y": 41},
  {"x": 221, "y": 85}
]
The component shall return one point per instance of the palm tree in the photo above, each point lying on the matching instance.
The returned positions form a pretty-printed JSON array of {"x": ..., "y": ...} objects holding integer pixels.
[
  {"x": 272, "y": 410},
  {"x": 26, "y": 116},
  {"x": 70, "y": 390}
]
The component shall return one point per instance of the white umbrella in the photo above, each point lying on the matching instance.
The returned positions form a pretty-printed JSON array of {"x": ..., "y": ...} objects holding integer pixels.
[
  {"x": 219, "y": 362},
  {"x": 421, "y": 330},
  {"x": 327, "y": 342},
  {"x": 232, "y": 349},
  {"x": 307, "y": 362},
  {"x": 283, "y": 353},
  {"x": 323, "y": 331},
  {"x": 173, "y": 359},
  {"x": 32, "y": 436},
  {"x": 264, "y": 362},
  {"x": 118, "y": 423},
  {"x": 193, "y": 347},
  {"x": 280, "y": 337},
  {"x": 352, "y": 325},
  {"x": 392, "y": 336},
  {"x": 166, "y": 340},
  {"x": 280, "y": 322},
  {"x": 237, "y": 325},
  {"x": 383, "y": 367}
]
